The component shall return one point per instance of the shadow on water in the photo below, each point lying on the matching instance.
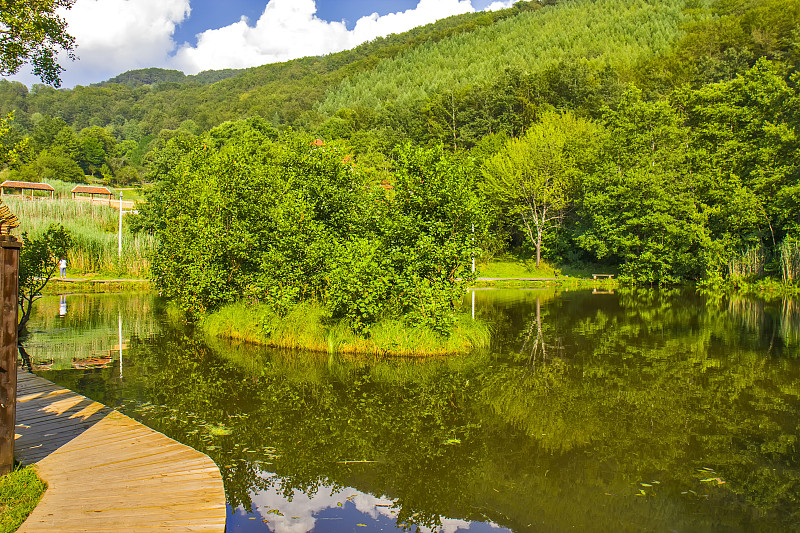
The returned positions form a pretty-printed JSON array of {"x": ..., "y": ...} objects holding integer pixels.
[{"x": 633, "y": 411}]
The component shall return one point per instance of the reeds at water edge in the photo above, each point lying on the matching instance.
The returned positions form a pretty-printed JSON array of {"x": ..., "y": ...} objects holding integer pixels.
[{"x": 94, "y": 229}]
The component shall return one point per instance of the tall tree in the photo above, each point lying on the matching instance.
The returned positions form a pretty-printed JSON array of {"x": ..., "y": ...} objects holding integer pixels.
[
  {"x": 32, "y": 32},
  {"x": 536, "y": 175},
  {"x": 9, "y": 149}
]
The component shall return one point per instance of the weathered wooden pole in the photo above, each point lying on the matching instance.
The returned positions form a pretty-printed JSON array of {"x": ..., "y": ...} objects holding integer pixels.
[{"x": 9, "y": 278}]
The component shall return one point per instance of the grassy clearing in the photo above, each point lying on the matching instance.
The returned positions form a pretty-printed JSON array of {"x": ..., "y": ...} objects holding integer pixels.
[
  {"x": 517, "y": 268},
  {"x": 55, "y": 286},
  {"x": 512, "y": 267},
  {"x": 94, "y": 229},
  {"x": 20, "y": 491},
  {"x": 129, "y": 194},
  {"x": 572, "y": 276},
  {"x": 306, "y": 327}
]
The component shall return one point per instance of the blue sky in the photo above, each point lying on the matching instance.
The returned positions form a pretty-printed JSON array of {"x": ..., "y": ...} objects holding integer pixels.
[
  {"x": 211, "y": 14},
  {"x": 114, "y": 36}
]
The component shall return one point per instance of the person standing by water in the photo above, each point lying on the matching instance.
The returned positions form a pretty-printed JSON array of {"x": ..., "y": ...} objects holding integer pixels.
[{"x": 62, "y": 266}]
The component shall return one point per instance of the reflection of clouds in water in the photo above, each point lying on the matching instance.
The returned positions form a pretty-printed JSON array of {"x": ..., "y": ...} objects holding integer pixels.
[{"x": 299, "y": 512}]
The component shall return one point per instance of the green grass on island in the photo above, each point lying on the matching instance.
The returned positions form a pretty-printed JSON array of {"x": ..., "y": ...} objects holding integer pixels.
[
  {"x": 307, "y": 327},
  {"x": 20, "y": 491},
  {"x": 96, "y": 284}
]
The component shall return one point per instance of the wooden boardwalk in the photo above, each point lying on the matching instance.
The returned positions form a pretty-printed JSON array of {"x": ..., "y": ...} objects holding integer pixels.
[{"x": 107, "y": 472}]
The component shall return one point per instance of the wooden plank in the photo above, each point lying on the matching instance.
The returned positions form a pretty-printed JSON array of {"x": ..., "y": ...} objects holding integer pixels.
[{"x": 107, "y": 472}]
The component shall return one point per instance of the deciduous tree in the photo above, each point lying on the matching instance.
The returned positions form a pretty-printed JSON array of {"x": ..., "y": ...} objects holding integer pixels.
[
  {"x": 536, "y": 176},
  {"x": 37, "y": 264},
  {"x": 32, "y": 31}
]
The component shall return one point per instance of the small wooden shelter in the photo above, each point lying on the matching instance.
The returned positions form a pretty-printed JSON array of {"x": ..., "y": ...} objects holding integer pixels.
[
  {"x": 92, "y": 192},
  {"x": 25, "y": 186}
]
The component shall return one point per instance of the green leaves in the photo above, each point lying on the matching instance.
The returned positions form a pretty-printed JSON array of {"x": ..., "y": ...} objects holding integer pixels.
[
  {"x": 536, "y": 177},
  {"x": 37, "y": 264},
  {"x": 33, "y": 33}
]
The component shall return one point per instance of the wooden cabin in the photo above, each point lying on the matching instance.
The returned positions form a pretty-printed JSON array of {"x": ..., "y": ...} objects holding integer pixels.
[{"x": 7, "y": 186}]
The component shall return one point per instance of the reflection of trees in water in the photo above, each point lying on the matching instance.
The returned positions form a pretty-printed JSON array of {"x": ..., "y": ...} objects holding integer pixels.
[
  {"x": 536, "y": 344},
  {"x": 790, "y": 320},
  {"x": 89, "y": 332},
  {"x": 776, "y": 323},
  {"x": 648, "y": 387}
]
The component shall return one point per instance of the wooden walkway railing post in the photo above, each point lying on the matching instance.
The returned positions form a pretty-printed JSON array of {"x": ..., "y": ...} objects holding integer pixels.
[{"x": 9, "y": 278}]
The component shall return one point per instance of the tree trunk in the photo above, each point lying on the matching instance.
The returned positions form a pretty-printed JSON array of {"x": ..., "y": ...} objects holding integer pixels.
[
  {"x": 26, "y": 315},
  {"x": 538, "y": 248}
]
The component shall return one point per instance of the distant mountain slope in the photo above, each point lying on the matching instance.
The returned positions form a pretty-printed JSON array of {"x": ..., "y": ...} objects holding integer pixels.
[
  {"x": 154, "y": 76},
  {"x": 617, "y": 32}
]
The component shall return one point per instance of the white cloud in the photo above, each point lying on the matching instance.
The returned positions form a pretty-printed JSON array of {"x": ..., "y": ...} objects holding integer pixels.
[
  {"x": 113, "y": 36},
  {"x": 289, "y": 29},
  {"x": 494, "y": 6}
]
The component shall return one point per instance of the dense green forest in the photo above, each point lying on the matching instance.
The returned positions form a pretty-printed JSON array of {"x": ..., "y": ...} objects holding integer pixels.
[{"x": 655, "y": 139}]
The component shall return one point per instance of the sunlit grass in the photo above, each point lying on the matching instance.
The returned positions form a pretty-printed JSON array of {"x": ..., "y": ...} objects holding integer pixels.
[
  {"x": 20, "y": 491},
  {"x": 508, "y": 266},
  {"x": 306, "y": 327},
  {"x": 516, "y": 268}
]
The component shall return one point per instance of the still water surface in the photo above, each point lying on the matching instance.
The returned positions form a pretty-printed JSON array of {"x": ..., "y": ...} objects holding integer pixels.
[{"x": 633, "y": 411}]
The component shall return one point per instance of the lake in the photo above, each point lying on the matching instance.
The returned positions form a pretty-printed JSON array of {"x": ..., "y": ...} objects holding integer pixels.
[{"x": 637, "y": 410}]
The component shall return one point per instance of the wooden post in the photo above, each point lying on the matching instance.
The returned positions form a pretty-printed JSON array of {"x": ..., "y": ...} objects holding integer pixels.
[{"x": 9, "y": 279}]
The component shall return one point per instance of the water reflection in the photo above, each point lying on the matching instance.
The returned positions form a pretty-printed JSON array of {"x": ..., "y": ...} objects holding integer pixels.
[
  {"x": 91, "y": 334},
  {"x": 327, "y": 509},
  {"x": 640, "y": 410}
]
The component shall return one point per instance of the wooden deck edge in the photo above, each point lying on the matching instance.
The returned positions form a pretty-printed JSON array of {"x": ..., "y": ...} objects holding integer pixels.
[{"x": 74, "y": 458}]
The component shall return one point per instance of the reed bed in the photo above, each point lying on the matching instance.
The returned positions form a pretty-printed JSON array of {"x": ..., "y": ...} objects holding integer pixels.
[
  {"x": 749, "y": 264},
  {"x": 790, "y": 260},
  {"x": 94, "y": 231}
]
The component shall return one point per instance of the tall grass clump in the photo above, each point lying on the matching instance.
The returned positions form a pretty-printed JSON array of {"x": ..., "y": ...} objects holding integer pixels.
[
  {"x": 94, "y": 231},
  {"x": 63, "y": 188},
  {"x": 789, "y": 252},
  {"x": 749, "y": 264},
  {"x": 307, "y": 327}
]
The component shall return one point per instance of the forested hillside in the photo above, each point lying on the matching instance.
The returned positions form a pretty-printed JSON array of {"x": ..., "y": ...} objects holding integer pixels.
[
  {"x": 656, "y": 138},
  {"x": 157, "y": 76},
  {"x": 618, "y": 33},
  {"x": 156, "y": 99}
]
